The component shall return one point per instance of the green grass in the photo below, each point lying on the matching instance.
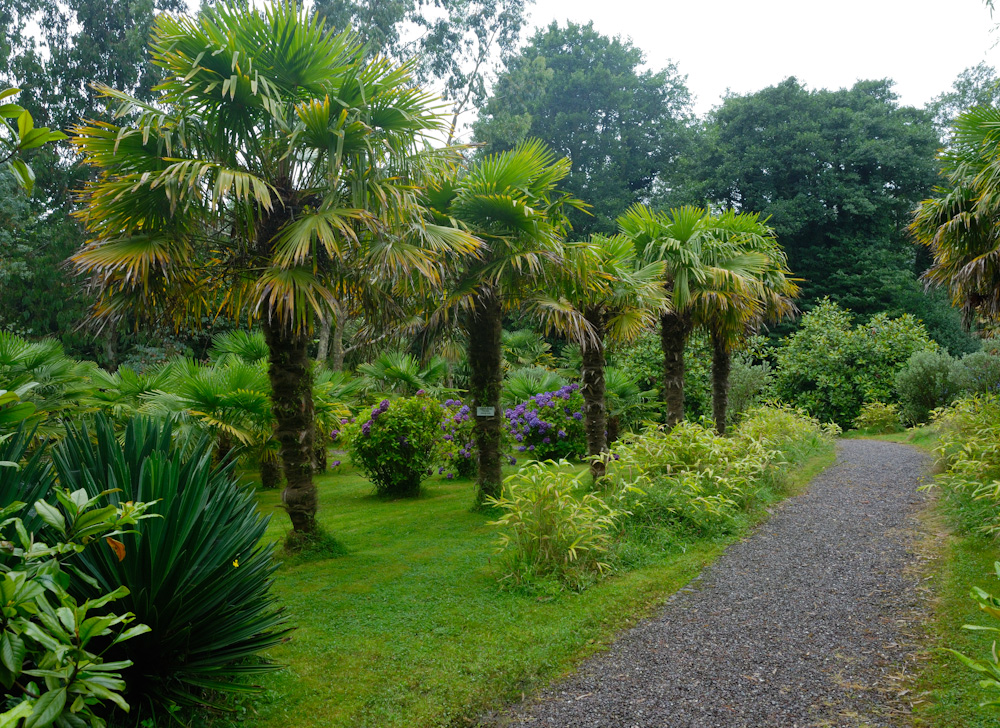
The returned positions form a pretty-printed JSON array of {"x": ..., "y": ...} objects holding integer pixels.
[
  {"x": 922, "y": 437},
  {"x": 953, "y": 693},
  {"x": 410, "y": 629}
]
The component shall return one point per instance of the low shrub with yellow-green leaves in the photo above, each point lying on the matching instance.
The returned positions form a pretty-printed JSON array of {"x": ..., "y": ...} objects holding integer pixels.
[
  {"x": 661, "y": 489},
  {"x": 968, "y": 450},
  {"x": 879, "y": 418}
]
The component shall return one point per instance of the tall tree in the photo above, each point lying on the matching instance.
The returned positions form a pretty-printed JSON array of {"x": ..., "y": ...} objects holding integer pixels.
[
  {"x": 619, "y": 299},
  {"x": 512, "y": 201},
  {"x": 584, "y": 95},
  {"x": 836, "y": 174},
  {"x": 243, "y": 191},
  {"x": 457, "y": 42},
  {"x": 959, "y": 223},
  {"x": 701, "y": 253},
  {"x": 975, "y": 86}
]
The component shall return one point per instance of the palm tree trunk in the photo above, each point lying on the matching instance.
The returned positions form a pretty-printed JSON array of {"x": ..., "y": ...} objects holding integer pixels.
[
  {"x": 291, "y": 399},
  {"x": 323, "y": 348},
  {"x": 270, "y": 473},
  {"x": 721, "y": 366},
  {"x": 592, "y": 374},
  {"x": 337, "y": 351},
  {"x": 485, "y": 325},
  {"x": 674, "y": 331}
]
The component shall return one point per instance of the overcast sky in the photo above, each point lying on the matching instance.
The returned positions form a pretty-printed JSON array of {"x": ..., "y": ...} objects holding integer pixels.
[{"x": 746, "y": 45}]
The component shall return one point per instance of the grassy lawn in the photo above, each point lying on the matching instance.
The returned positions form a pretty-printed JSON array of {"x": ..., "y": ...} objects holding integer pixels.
[
  {"x": 410, "y": 629},
  {"x": 953, "y": 691}
]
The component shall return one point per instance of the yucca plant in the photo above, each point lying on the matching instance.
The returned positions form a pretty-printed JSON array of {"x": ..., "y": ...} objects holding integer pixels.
[
  {"x": 25, "y": 474},
  {"x": 199, "y": 576}
]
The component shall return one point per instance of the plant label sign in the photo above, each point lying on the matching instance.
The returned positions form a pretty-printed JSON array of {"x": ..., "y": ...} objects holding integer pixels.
[{"x": 485, "y": 411}]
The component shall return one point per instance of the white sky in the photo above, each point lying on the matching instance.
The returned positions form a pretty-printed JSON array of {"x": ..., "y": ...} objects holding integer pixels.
[{"x": 747, "y": 45}]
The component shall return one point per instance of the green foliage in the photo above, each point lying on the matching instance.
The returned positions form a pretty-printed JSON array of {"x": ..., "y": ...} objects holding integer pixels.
[
  {"x": 640, "y": 361},
  {"x": 980, "y": 372},
  {"x": 830, "y": 369},
  {"x": 521, "y": 385},
  {"x": 879, "y": 418},
  {"x": 198, "y": 576},
  {"x": 988, "y": 669},
  {"x": 400, "y": 373},
  {"x": 968, "y": 449},
  {"x": 930, "y": 379},
  {"x": 837, "y": 174},
  {"x": 17, "y": 135},
  {"x": 627, "y": 405},
  {"x": 394, "y": 444},
  {"x": 549, "y": 530},
  {"x": 584, "y": 94},
  {"x": 548, "y": 426},
  {"x": 52, "y": 664},
  {"x": 750, "y": 384}
]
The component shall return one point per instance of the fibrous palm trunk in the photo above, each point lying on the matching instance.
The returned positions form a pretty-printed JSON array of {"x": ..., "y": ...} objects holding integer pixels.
[
  {"x": 336, "y": 362},
  {"x": 485, "y": 326},
  {"x": 721, "y": 367},
  {"x": 595, "y": 410},
  {"x": 292, "y": 404},
  {"x": 674, "y": 331}
]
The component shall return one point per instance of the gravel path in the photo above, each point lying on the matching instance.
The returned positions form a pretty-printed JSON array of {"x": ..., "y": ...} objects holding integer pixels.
[{"x": 798, "y": 625}]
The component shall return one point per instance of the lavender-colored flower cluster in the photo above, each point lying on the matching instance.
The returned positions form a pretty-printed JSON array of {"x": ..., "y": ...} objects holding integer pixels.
[
  {"x": 549, "y": 425},
  {"x": 457, "y": 447}
]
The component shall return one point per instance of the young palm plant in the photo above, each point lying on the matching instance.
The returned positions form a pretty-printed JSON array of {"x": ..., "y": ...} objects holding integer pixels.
[{"x": 277, "y": 168}]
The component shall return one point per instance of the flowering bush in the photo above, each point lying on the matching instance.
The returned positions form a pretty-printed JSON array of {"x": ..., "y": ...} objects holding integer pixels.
[
  {"x": 456, "y": 449},
  {"x": 548, "y": 426},
  {"x": 395, "y": 443}
]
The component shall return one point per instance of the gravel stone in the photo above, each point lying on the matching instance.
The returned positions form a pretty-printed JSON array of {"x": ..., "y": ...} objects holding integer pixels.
[{"x": 797, "y": 625}]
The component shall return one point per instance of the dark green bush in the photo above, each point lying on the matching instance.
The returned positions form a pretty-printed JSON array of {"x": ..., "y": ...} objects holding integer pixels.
[
  {"x": 198, "y": 576},
  {"x": 980, "y": 373},
  {"x": 395, "y": 444},
  {"x": 930, "y": 379}
]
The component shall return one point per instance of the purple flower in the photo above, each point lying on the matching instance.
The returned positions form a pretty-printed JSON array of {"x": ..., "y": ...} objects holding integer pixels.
[
  {"x": 617, "y": 456},
  {"x": 578, "y": 415},
  {"x": 383, "y": 405},
  {"x": 334, "y": 434},
  {"x": 450, "y": 476},
  {"x": 512, "y": 460},
  {"x": 448, "y": 438},
  {"x": 519, "y": 437},
  {"x": 366, "y": 428},
  {"x": 561, "y": 433},
  {"x": 421, "y": 393},
  {"x": 375, "y": 414},
  {"x": 441, "y": 470},
  {"x": 336, "y": 463},
  {"x": 546, "y": 440},
  {"x": 522, "y": 448},
  {"x": 344, "y": 420},
  {"x": 531, "y": 447}
]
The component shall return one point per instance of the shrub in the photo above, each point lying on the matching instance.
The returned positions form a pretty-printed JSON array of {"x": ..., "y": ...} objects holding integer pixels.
[
  {"x": 749, "y": 385},
  {"x": 521, "y": 385},
  {"x": 968, "y": 449},
  {"x": 980, "y": 373},
  {"x": 830, "y": 369},
  {"x": 45, "y": 632},
  {"x": 688, "y": 478},
  {"x": 930, "y": 379},
  {"x": 879, "y": 418},
  {"x": 456, "y": 448},
  {"x": 786, "y": 430},
  {"x": 395, "y": 444},
  {"x": 548, "y": 530},
  {"x": 549, "y": 425},
  {"x": 198, "y": 576}
]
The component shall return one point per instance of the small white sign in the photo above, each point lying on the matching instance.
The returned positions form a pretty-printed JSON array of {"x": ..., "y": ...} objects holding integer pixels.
[{"x": 485, "y": 411}]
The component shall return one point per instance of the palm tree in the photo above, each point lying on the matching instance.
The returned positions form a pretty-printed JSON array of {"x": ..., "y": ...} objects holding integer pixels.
[
  {"x": 732, "y": 308},
  {"x": 959, "y": 224},
  {"x": 698, "y": 254},
  {"x": 512, "y": 202},
  {"x": 277, "y": 168},
  {"x": 619, "y": 300}
]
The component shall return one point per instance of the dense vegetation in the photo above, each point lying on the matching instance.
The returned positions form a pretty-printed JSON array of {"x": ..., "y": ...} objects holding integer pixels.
[{"x": 231, "y": 261}]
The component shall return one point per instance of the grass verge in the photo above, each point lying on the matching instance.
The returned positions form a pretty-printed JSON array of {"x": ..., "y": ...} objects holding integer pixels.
[{"x": 410, "y": 629}]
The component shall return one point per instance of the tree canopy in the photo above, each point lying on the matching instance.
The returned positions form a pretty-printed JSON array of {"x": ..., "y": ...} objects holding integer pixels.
[{"x": 584, "y": 95}]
